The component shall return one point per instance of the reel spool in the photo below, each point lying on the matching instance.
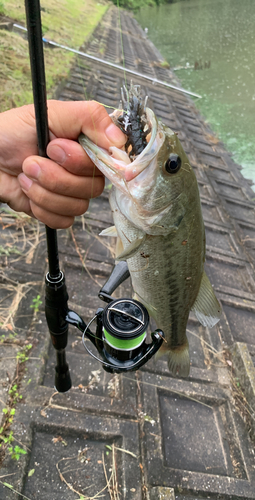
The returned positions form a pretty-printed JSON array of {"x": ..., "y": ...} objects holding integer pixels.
[
  {"x": 121, "y": 336},
  {"x": 124, "y": 324}
]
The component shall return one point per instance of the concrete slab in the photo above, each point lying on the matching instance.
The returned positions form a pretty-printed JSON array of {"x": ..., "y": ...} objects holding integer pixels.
[{"x": 161, "y": 493}]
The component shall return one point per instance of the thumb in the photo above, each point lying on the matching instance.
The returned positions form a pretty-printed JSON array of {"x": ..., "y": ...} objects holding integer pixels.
[{"x": 69, "y": 119}]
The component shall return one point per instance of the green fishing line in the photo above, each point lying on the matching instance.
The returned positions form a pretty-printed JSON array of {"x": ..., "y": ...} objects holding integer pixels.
[{"x": 124, "y": 344}]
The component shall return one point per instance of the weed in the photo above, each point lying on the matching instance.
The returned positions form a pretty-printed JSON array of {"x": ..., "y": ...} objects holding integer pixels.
[
  {"x": 13, "y": 391},
  {"x": 164, "y": 64},
  {"x": 22, "y": 355},
  {"x": 7, "y": 439},
  {"x": 136, "y": 4},
  {"x": 9, "y": 251},
  {"x": 6, "y": 435},
  {"x": 5, "y": 338},
  {"x": 36, "y": 302}
]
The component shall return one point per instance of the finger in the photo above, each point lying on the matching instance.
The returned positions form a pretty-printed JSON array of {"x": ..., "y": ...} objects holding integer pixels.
[
  {"x": 72, "y": 157},
  {"x": 11, "y": 193},
  {"x": 51, "y": 219},
  {"x": 69, "y": 119},
  {"x": 56, "y": 179},
  {"x": 56, "y": 203}
]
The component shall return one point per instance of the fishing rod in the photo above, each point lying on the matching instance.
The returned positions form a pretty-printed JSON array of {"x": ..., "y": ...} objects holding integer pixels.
[
  {"x": 56, "y": 296},
  {"x": 120, "y": 337},
  {"x": 153, "y": 80}
]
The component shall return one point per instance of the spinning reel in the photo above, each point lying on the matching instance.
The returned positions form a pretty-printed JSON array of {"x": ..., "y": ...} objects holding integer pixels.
[{"x": 120, "y": 336}]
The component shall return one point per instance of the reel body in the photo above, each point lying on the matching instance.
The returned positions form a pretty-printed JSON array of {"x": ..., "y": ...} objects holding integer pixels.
[
  {"x": 121, "y": 336},
  {"x": 121, "y": 328}
]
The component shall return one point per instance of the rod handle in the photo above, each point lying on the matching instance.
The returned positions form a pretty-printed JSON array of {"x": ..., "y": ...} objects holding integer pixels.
[{"x": 62, "y": 375}]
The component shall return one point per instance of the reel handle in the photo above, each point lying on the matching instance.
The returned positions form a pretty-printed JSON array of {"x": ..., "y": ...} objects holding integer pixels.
[{"x": 119, "y": 274}]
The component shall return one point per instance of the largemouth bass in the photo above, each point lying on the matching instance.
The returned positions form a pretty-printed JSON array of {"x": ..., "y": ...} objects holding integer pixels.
[{"x": 159, "y": 226}]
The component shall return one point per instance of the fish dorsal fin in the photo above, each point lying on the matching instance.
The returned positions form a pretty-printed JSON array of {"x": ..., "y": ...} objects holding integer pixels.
[
  {"x": 206, "y": 307},
  {"x": 109, "y": 231},
  {"x": 131, "y": 249}
]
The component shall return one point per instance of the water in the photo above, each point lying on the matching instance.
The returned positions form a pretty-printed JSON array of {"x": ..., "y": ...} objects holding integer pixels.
[{"x": 219, "y": 34}]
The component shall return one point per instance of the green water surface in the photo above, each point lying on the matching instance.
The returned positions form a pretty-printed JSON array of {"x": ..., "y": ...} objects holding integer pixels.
[{"x": 221, "y": 33}]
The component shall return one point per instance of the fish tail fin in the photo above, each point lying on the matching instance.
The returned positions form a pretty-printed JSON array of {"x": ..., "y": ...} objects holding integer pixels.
[
  {"x": 178, "y": 358},
  {"x": 179, "y": 362}
]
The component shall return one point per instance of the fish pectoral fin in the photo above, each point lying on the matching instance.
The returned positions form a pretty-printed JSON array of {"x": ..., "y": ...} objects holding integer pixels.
[
  {"x": 119, "y": 248},
  {"x": 131, "y": 249},
  {"x": 109, "y": 231},
  {"x": 206, "y": 306}
]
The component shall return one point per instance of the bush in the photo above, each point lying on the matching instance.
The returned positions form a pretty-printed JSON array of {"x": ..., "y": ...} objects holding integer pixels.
[{"x": 136, "y": 4}]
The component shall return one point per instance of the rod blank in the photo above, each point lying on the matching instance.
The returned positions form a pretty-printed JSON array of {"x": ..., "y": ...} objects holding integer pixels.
[{"x": 34, "y": 34}]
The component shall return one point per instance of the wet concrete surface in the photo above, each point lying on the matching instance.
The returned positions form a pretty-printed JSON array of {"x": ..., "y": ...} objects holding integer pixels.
[{"x": 158, "y": 436}]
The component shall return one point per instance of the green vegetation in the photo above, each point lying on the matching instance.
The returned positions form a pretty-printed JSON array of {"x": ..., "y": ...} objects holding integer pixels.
[
  {"x": 36, "y": 302},
  {"x": 14, "y": 451},
  {"x": 13, "y": 391},
  {"x": 6, "y": 436},
  {"x": 14, "y": 397},
  {"x": 69, "y": 22},
  {"x": 136, "y": 4},
  {"x": 22, "y": 355}
]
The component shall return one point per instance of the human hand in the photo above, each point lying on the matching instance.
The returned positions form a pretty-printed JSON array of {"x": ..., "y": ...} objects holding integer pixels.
[{"x": 53, "y": 190}]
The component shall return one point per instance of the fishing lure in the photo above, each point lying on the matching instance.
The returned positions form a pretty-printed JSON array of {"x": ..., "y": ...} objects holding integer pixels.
[{"x": 133, "y": 121}]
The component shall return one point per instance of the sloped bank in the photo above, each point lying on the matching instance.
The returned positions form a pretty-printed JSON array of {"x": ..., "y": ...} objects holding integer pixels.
[{"x": 64, "y": 21}]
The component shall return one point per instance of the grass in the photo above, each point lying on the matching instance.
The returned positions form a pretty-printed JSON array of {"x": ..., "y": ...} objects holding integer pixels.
[{"x": 69, "y": 22}]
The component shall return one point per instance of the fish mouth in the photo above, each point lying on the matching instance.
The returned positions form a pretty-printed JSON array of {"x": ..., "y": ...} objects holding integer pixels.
[{"x": 116, "y": 164}]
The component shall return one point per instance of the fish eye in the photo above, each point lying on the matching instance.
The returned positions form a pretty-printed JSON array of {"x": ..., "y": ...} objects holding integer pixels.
[{"x": 173, "y": 163}]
